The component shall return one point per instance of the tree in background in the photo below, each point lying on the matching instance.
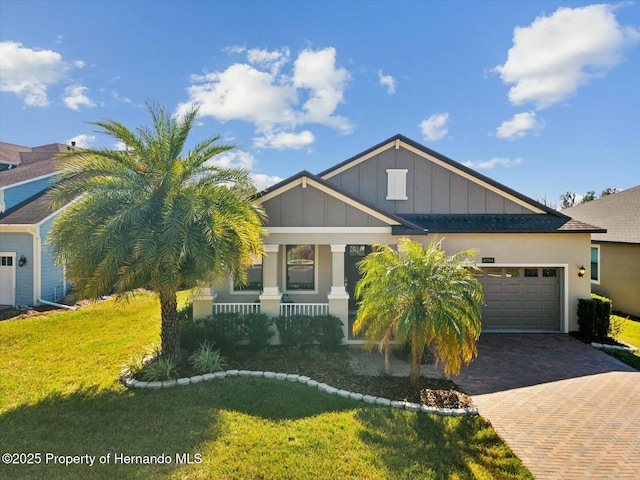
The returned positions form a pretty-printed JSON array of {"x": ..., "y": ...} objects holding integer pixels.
[
  {"x": 420, "y": 297},
  {"x": 149, "y": 216}
]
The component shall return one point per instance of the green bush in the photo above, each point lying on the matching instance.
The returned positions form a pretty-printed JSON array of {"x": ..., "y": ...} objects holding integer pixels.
[
  {"x": 257, "y": 326},
  {"x": 331, "y": 332},
  {"x": 224, "y": 329},
  {"x": 160, "y": 369},
  {"x": 594, "y": 317},
  {"x": 300, "y": 330},
  {"x": 206, "y": 359}
]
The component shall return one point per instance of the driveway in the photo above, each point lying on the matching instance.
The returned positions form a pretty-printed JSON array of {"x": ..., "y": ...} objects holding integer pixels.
[{"x": 567, "y": 410}]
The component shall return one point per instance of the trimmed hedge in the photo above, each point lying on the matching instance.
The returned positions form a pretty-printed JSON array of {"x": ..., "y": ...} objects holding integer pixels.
[
  {"x": 593, "y": 317},
  {"x": 300, "y": 330}
]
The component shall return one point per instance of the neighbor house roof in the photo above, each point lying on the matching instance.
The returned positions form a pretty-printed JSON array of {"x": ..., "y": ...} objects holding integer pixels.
[
  {"x": 618, "y": 213},
  {"x": 30, "y": 162},
  {"x": 28, "y": 212}
]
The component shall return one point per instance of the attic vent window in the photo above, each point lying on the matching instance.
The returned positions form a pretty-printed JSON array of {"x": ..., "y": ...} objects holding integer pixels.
[{"x": 397, "y": 184}]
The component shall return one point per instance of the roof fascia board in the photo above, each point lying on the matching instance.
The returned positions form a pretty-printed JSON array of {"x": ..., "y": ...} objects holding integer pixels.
[
  {"x": 390, "y": 144},
  {"x": 306, "y": 180},
  {"x": 29, "y": 180}
]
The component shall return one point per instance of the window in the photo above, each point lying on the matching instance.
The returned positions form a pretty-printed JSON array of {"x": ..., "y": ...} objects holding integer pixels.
[
  {"x": 530, "y": 272},
  {"x": 512, "y": 272},
  {"x": 493, "y": 272},
  {"x": 254, "y": 277},
  {"x": 301, "y": 265},
  {"x": 6, "y": 261},
  {"x": 549, "y": 272},
  {"x": 397, "y": 184},
  {"x": 595, "y": 264}
]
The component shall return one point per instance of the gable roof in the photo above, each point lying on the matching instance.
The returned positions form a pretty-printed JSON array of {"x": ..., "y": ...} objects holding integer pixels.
[
  {"x": 31, "y": 211},
  {"x": 30, "y": 163},
  {"x": 400, "y": 140},
  {"x": 617, "y": 212},
  {"x": 304, "y": 176}
]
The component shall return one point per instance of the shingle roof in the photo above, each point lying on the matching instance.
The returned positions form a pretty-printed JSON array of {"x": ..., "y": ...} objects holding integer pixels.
[
  {"x": 498, "y": 223},
  {"x": 618, "y": 213},
  {"x": 28, "y": 212},
  {"x": 32, "y": 162}
]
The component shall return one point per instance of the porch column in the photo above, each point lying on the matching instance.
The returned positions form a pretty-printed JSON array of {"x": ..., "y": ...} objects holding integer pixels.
[
  {"x": 203, "y": 302},
  {"x": 339, "y": 298},
  {"x": 271, "y": 295}
]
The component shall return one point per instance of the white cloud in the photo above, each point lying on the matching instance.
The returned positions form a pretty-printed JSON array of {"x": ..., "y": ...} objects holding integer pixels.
[
  {"x": 234, "y": 159},
  {"x": 387, "y": 81},
  {"x": 28, "y": 73},
  {"x": 489, "y": 164},
  {"x": 272, "y": 61},
  {"x": 262, "y": 181},
  {"x": 519, "y": 126},
  {"x": 83, "y": 141},
  {"x": 264, "y": 93},
  {"x": 435, "y": 127},
  {"x": 74, "y": 98},
  {"x": 284, "y": 140},
  {"x": 555, "y": 55}
]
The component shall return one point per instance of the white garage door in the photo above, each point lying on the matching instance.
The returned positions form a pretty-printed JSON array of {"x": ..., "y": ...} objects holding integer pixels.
[
  {"x": 7, "y": 280},
  {"x": 521, "y": 299}
]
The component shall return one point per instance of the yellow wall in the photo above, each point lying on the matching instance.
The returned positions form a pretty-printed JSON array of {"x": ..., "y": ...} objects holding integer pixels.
[{"x": 620, "y": 276}]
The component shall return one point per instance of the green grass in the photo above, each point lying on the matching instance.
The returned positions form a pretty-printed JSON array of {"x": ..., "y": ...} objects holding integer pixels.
[
  {"x": 59, "y": 394},
  {"x": 631, "y": 335}
]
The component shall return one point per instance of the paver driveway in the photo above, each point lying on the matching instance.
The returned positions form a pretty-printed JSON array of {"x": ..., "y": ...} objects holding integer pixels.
[{"x": 566, "y": 409}]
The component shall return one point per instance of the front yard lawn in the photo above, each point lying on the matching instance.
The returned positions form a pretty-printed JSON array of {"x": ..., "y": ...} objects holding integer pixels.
[
  {"x": 631, "y": 335},
  {"x": 60, "y": 396}
]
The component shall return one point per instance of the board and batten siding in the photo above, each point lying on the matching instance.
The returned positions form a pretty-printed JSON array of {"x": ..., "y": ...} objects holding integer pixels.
[
  {"x": 431, "y": 188},
  {"x": 52, "y": 287},
  {"x": 15, "y": 195},
  {"x": 21, "y": 244},
  {"x": 311, "y": 207}
]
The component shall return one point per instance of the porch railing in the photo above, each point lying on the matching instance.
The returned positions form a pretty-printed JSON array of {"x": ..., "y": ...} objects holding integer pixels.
[
  {"x": 241, "y": 308},
  {"x": 309, "y": 309}
]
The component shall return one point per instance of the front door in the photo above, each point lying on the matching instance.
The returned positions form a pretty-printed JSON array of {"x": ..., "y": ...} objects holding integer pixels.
[
  {"x": 353, "y": 254},
  {"x": 7, "y": 280}
]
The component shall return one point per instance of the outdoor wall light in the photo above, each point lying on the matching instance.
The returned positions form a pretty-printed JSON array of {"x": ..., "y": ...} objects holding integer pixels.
[
  {"x": 22, "y": 261},
  {"x": 582, "y": 271}
]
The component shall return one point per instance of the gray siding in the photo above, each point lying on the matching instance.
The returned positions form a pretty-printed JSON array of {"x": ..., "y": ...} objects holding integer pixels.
[
  {"x": 310, "y": 207},
  {"x": 52, "y": 286},
  {"x": 15, "y": 195},
  {"x": 430, "y": 187},
  {"x": 21, "y": 244}
]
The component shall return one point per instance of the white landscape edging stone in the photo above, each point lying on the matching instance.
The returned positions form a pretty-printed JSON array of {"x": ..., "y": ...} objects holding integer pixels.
[{"x": 130, "y": 382}]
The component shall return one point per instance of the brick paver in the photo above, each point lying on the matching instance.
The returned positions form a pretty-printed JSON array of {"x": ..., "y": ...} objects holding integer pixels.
[{"x": 567, "y": 410}]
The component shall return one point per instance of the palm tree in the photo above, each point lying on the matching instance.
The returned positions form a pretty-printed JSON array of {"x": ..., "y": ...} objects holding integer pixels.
[
  {"x": 146, "y": 216},
  {"x": 420, "y": 297}
]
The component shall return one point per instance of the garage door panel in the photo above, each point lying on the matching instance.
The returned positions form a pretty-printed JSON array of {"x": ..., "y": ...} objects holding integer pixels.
[{"x": 521, "y": 303}]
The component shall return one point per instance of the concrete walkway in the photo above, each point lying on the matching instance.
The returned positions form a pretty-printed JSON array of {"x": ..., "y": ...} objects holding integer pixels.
[{"x": 566, "y": 409}]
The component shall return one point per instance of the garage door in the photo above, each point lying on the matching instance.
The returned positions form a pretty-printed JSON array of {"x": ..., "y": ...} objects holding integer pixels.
[{"x": 521, "y": 299}]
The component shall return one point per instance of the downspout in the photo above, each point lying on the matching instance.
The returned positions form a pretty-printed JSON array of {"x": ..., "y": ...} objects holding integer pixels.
[{"x": 59, "y": 305}]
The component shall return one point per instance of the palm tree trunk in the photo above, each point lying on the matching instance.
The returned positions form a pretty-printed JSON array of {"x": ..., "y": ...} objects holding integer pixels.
[
  {"x": 416, "y": 362},
  {"x": 170, "y": 329}
]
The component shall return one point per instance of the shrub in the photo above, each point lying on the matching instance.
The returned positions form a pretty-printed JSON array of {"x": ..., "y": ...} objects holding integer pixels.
[
  {"x": 294, "y": 331},
  {"x": 223, "y": 329},
  {"x": 331, "y": 333},
  {"x": 206, "y": 359},
  {"x": 160, "y": 369},
  {"x": 257, "y": 326},
  {"x": 134, "y": 366},
  {"x": 594, "y": 317}
]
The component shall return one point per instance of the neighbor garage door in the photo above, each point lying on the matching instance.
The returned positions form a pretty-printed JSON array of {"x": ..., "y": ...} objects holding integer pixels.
[{"x": 521, "y": 299}]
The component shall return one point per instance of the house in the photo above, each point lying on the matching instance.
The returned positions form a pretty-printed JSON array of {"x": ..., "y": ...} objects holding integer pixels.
[
  {"x": 28, "y": 274},
  {"x": 320, "y": 226},
  {"x": 614, "y": 269}
]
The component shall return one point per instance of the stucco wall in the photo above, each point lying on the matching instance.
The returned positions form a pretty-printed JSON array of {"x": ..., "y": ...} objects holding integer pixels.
[
  {"x": 620, "y": 276},
  {"x": 52, "y": 287}
]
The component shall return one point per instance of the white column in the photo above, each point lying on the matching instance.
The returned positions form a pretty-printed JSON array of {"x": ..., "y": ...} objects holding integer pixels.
[
  {"x": 270, "y": 297},
  {"x": 203, "y": 301},
  {"x": 339, "y": 298}
]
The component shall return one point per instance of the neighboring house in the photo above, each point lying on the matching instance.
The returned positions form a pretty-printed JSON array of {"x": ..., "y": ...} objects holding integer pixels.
[
  {"x": 615, "y": 255},
  {"x": 28, "y": 275},
  {"x": 320, "y": 226}
]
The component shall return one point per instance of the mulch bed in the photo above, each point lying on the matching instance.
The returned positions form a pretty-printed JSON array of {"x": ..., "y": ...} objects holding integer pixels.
[{"x": 333, "y": 368}]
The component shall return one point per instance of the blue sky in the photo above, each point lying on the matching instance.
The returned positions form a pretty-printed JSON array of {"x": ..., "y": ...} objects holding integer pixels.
[{"x": 541, "y": 96}]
